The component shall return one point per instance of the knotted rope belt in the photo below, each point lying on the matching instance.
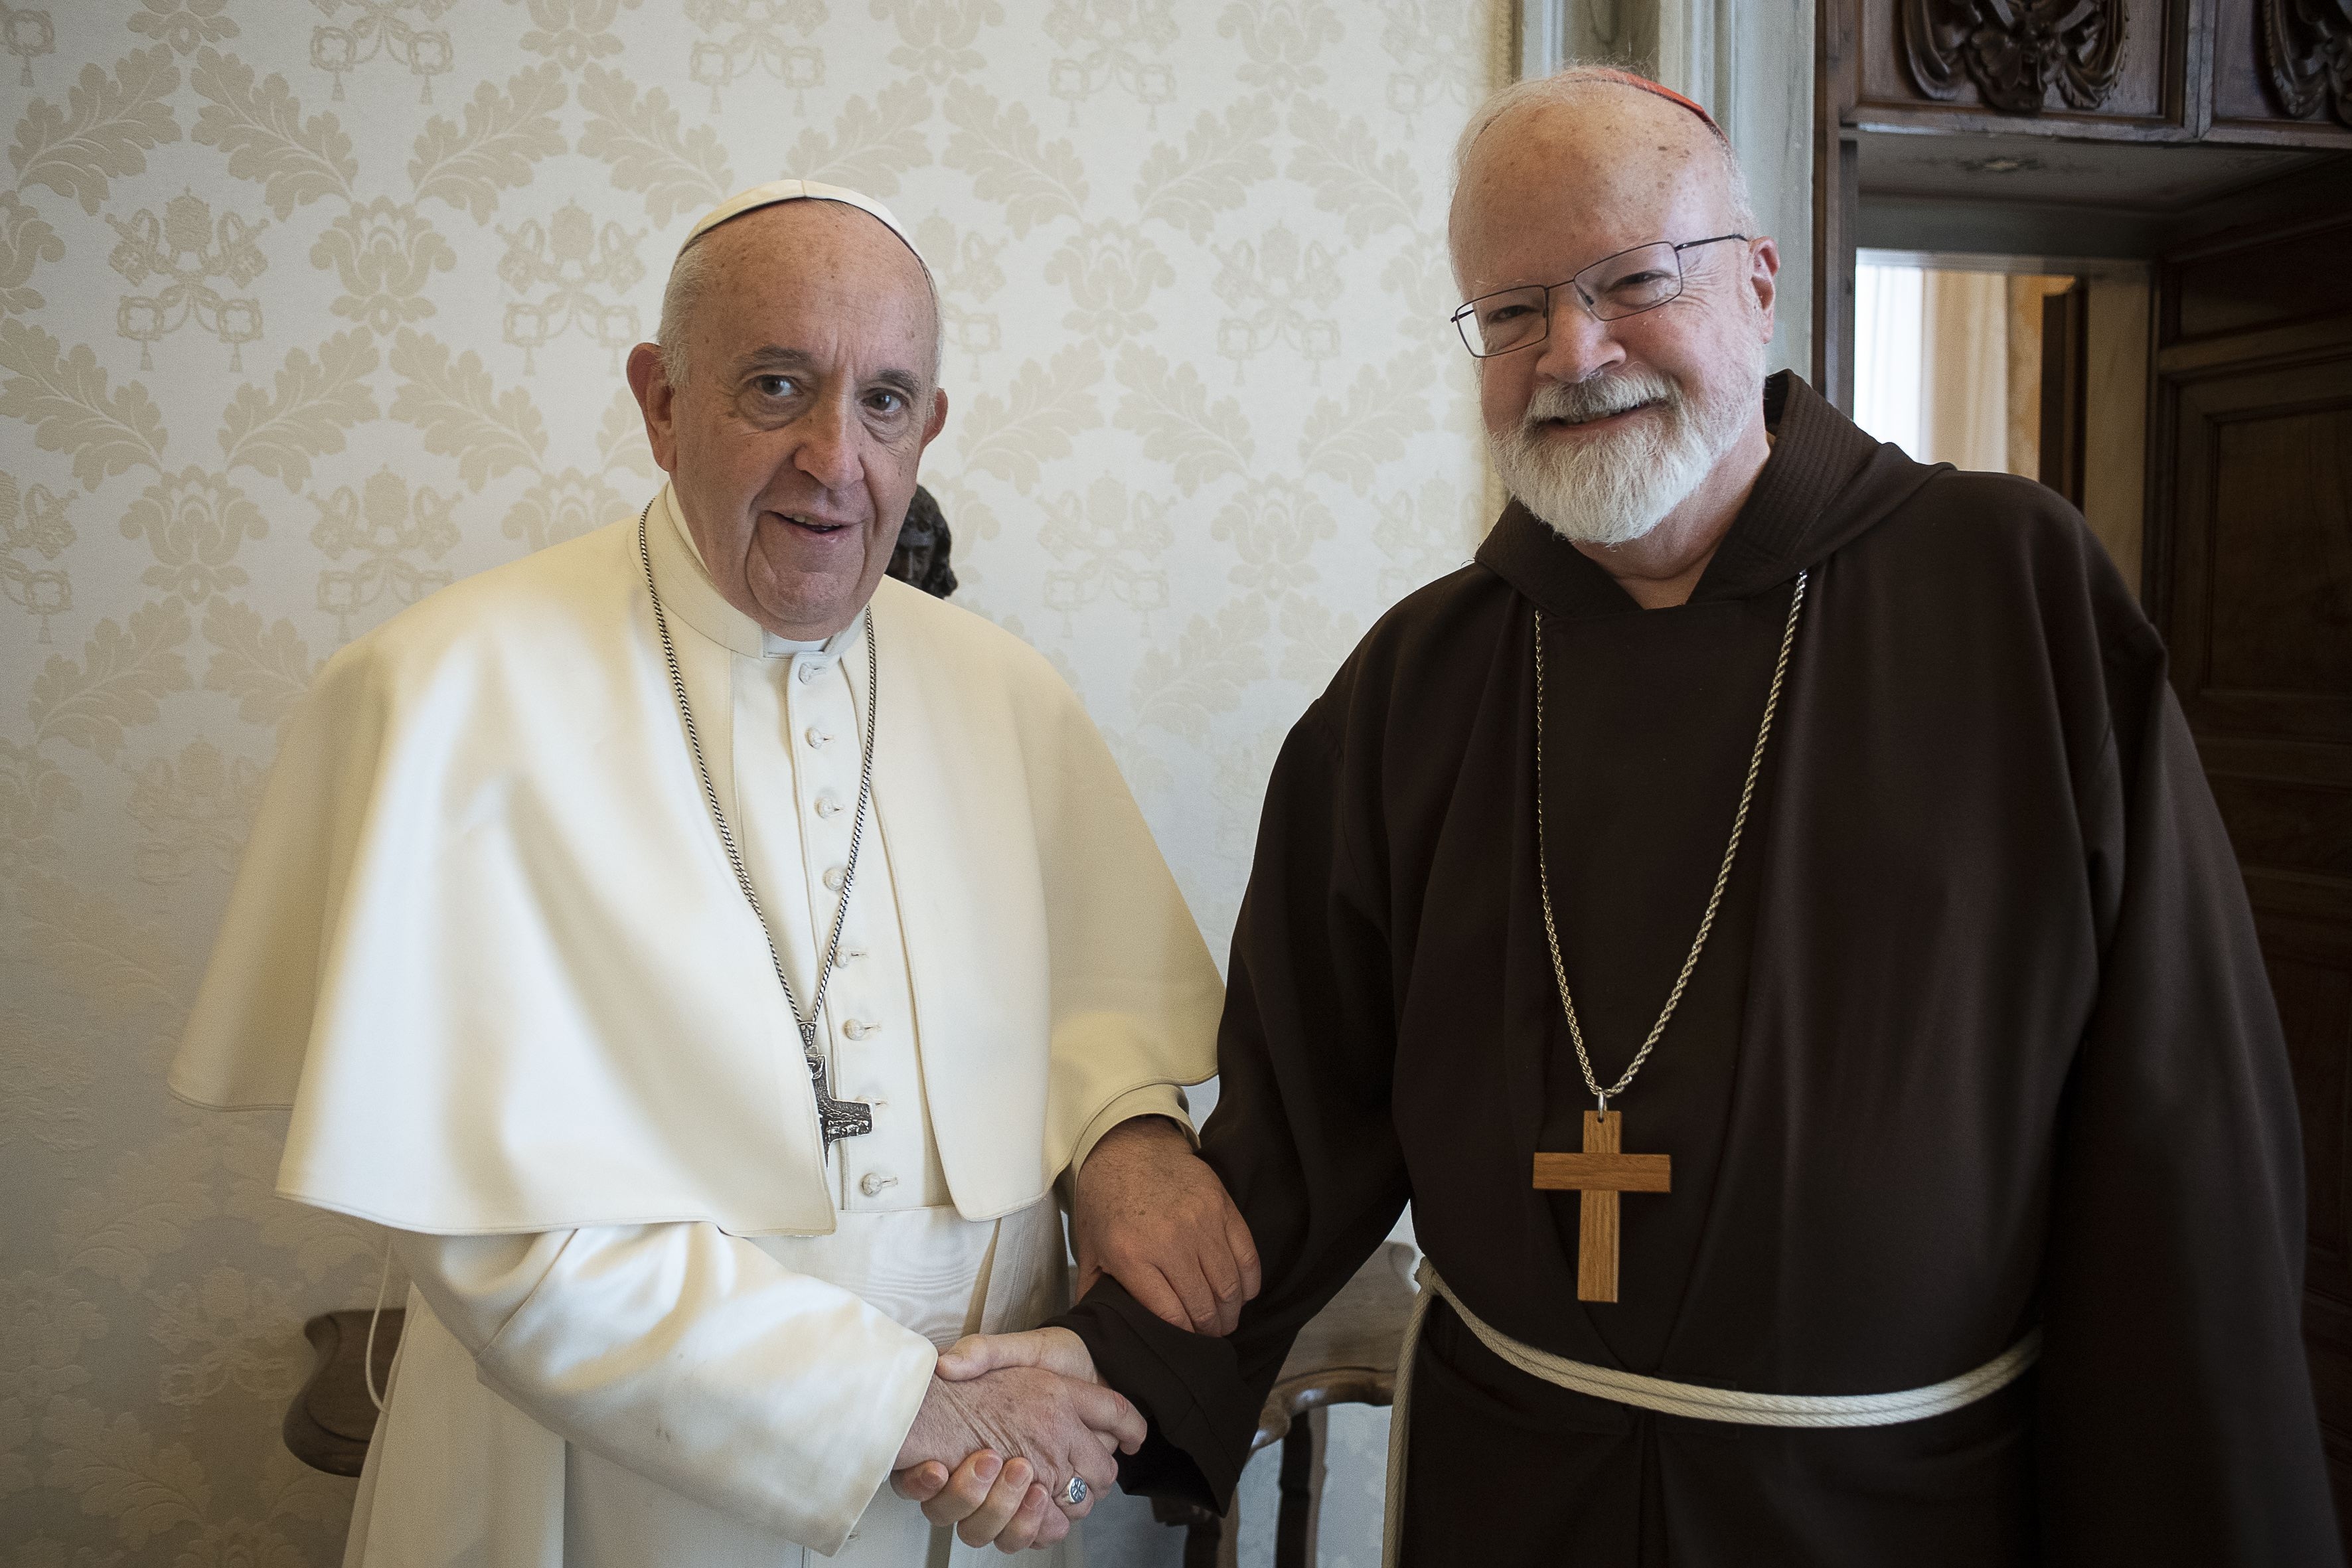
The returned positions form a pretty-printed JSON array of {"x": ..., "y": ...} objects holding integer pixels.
[{"x": 1694, "y": 1400}]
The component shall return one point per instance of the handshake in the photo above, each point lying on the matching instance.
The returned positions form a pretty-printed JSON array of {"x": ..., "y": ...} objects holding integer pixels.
[
  {"x": 1013, "y": 1424},
  {"x": 1009, "y": 1423}
]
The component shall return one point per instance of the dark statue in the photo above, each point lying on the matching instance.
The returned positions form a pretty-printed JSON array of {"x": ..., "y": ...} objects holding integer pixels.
[{"x": 920, "y": 561}]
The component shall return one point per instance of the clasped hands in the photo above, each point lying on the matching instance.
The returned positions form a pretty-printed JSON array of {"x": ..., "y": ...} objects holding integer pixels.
[{"x": 1010, "y": 1418}]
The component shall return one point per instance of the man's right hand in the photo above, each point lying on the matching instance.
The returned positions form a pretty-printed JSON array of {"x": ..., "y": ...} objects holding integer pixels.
[
  {"x": 1152, "y": 1215},
  {"x": 1030, "y": 1428}
]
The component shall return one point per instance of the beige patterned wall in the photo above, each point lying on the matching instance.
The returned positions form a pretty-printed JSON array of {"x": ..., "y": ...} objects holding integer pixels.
[{"x": 308, "y": 307}]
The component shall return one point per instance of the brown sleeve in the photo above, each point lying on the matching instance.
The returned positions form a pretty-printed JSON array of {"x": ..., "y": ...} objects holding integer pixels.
[
  {"x": 2176, "y": 1419},
  {"x": 1301, "y": 1135}
]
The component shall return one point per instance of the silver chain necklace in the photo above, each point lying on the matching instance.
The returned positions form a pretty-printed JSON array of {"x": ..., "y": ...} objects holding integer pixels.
[
  {"x": 836, "y": 1119},
  {"x": 1722, "y": 877}
]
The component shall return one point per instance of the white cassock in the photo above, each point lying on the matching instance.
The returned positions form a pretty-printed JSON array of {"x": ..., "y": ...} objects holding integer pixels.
[{"x": 486, "y": 943}]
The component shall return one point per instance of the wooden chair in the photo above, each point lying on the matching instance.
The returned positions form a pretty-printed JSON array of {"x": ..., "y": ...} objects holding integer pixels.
[
  {"x": 331, "y": 1419},
  {"x": 1345, "y": 1355}
]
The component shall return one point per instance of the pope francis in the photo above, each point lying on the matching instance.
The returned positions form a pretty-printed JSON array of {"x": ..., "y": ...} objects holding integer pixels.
[{"x": 704, "y": 956}]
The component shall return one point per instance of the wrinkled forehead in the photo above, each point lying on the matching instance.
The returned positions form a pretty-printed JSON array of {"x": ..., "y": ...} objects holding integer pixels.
[
  {"x": 776, "y": 193},
  {"x": 800, "y": 195},
  {"x": 793, "y": 257},
  {"x": 820, "y": 237},
  {"x": 1560, "y": 184}
]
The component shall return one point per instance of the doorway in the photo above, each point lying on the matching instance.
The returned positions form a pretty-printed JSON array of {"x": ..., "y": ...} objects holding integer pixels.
[
  {"x": 2033, "y": 365},
  {"x": 2178, "y": 173}
]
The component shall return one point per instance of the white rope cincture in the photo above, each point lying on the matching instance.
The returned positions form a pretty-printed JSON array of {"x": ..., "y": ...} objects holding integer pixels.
[{"x": 1696, "y": 1401}]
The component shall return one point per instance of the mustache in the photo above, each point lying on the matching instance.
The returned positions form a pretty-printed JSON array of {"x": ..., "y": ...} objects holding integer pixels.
[{"x": 1580, "y": 402}]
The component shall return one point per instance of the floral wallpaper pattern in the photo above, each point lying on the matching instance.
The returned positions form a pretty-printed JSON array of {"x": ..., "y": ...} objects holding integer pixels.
[{"x": 308, "y": 307}]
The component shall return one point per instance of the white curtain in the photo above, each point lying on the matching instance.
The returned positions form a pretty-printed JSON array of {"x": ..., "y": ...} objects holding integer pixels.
[
  {"x": 1936, "y": 371},
  {"x": 1964, "y": 371},
  {"x": 1890, "y": 341}
]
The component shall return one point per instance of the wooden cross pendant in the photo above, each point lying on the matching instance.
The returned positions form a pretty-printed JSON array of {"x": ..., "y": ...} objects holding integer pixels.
[{"x": 1601, "y": 1172}]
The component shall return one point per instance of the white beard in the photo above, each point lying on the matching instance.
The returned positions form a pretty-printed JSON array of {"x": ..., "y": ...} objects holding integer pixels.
[{"x": 1614, "y": 489}]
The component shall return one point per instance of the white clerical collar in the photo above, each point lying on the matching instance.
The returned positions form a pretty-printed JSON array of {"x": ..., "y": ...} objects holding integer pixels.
[{"x": 689, "y": 593}]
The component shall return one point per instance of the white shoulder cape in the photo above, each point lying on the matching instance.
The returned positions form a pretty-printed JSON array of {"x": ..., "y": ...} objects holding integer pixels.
[{"x": 486, "y": 944}]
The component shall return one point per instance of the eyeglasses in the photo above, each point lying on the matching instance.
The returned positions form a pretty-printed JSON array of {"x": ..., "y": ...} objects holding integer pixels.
[{"x": 1614, "y": 287}]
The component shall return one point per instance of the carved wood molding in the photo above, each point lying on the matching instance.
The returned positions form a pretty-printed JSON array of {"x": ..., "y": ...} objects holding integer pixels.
[
  {"x": 2307, "y": 56},
  {"x": 2017, "y": 50}
]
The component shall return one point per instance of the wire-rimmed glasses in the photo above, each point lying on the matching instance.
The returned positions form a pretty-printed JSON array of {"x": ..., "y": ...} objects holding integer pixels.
[{"x": 1626, "y": 284}]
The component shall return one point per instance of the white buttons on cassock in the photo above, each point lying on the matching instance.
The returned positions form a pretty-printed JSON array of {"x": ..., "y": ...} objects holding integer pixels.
[{"x": 814, "y": 711}]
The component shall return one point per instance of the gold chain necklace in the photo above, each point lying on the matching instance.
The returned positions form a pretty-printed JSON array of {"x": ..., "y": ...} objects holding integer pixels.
[{"x": 1722, "y": 877}]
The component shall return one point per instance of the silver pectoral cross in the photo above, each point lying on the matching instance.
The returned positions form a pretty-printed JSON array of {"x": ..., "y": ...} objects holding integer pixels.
[{"x": 840, "y": 1118}]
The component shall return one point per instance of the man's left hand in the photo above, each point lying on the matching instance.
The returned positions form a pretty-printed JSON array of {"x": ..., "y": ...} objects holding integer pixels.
[{"x": 1152, "y": 1215}]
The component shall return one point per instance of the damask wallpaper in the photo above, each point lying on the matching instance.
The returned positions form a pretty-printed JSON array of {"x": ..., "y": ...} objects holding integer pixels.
[{"x": 308, "y": 307}]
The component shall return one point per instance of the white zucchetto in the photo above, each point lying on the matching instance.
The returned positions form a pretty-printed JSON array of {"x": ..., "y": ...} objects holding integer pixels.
[{"x": 776, "y": 191}]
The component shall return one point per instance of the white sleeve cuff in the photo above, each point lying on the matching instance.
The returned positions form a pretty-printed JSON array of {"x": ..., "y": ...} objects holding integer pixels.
[
  {"x": 697, "y": 1361},
  {"x": 1152, "y": 1099}
]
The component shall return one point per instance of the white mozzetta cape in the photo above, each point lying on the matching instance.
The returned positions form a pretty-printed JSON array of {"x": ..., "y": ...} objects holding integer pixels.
[{"x": 486, "y": 944}]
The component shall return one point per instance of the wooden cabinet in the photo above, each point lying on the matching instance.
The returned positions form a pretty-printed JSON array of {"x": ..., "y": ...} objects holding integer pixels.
[
  {"x": 2074, "y": 68},
  {"x": 2282, "y": 73},
  {"x": 2249, "y": 578},
  {"x": 2270, "y": 72}
]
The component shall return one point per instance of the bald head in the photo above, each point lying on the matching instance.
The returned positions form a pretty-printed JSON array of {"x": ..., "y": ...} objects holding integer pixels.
[
  {"x": 829, "y": 241},
  {"x": 1621, "y": 150}
]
